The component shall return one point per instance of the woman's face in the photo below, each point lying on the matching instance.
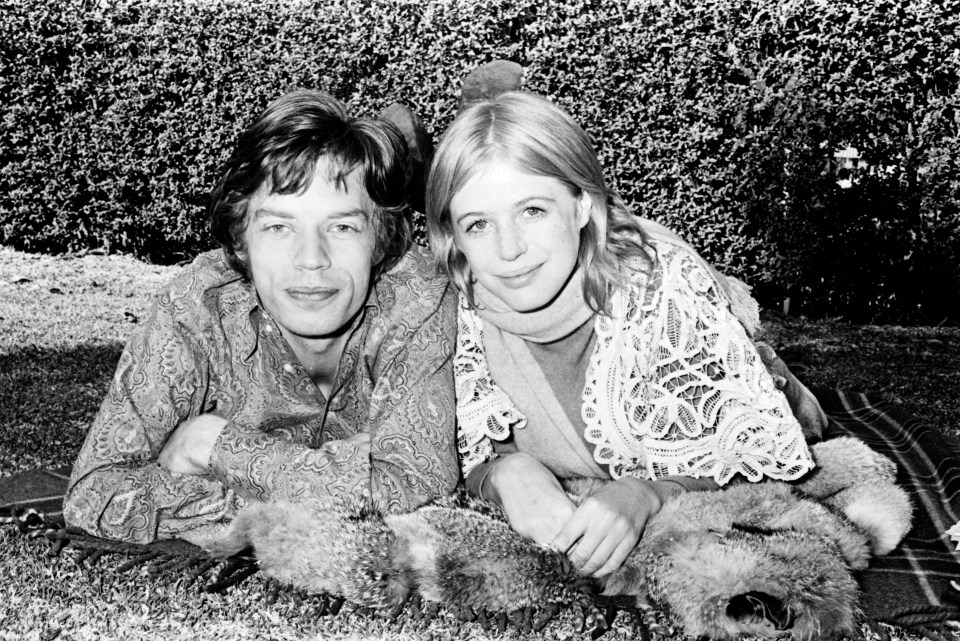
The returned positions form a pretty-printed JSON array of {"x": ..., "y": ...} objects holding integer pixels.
[{"x": 519, "y": 232}]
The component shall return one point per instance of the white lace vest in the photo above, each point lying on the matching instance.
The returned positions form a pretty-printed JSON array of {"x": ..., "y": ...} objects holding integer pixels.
[{"x": 674, "y": 386}]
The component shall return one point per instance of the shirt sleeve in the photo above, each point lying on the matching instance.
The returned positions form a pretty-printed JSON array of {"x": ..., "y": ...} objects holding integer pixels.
[
  {"x": 117, "y": 490},
  {"x": 411, "y": 423},
  {"x": 711, "y": 408},
  {"x": 413, "y": 413}
]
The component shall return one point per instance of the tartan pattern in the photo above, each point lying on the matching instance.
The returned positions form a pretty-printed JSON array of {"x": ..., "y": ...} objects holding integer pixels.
[
  {"x": 911, "y": 585},
  {"x": 40, "y": 490}
]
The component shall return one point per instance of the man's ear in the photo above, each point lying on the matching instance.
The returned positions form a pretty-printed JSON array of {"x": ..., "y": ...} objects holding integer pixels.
[{"x": 584, "y": 209}]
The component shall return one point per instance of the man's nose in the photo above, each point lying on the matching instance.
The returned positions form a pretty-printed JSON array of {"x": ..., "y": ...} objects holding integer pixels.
[{"x": 313, "y": 252}]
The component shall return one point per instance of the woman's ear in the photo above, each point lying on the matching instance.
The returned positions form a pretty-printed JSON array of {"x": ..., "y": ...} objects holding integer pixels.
[{"x": 584, "y": 209}]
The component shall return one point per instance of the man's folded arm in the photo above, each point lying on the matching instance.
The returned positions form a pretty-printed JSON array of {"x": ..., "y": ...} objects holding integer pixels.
[
  {"x": 117, "y": 489},
  {"x": 260, "y": 466}
]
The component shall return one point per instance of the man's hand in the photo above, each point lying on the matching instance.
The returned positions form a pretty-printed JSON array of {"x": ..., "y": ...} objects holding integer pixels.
[
  {"x": 608, "y": 524},
  {"x": 359, "y": 442},
  {"x": 535, "y": 504},
  {"x": 188, "y": 449}
]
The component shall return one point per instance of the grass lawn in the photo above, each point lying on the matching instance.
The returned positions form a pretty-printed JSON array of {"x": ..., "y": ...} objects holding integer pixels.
[{"x": 63, "y": 321}]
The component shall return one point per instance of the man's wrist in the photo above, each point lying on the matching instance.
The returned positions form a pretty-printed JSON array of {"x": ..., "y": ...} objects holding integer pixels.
[{"x": 231, "y": 439}]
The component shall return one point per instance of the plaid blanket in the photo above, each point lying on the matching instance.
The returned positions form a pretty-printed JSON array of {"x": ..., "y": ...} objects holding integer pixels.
[
  {"x": 41, "y": 490},
  {"x": 909, "y": 587}
]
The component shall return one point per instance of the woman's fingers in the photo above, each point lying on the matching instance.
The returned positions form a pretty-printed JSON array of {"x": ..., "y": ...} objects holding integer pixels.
[
  {"x": 570, "y": 533},
  {"x": 607, "y": 525},
  {"x": 592, "y": 536},
  {"x": 594, "y": 550},
  {"x": 616, "y": 559}
]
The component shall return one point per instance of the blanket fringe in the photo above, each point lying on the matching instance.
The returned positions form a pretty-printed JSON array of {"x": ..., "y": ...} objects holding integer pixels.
[{"x": 934, "y": 632}]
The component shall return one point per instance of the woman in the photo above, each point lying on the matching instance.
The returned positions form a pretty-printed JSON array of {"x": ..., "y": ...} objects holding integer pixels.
[{"x": 587, "y": 346}]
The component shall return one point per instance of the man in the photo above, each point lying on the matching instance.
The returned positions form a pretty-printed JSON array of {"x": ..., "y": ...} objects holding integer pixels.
[{"x": 309, "y": 358}]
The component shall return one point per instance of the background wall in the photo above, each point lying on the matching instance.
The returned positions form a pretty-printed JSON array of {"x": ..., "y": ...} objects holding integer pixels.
[{"x": 719, "y": 118}]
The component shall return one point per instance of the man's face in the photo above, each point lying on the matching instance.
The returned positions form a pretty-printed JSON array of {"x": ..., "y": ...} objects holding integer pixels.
[{"x": 311, "y": 255}]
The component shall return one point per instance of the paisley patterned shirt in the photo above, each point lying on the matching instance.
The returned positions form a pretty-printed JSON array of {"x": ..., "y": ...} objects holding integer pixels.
[{"x": 208, "y": 347}]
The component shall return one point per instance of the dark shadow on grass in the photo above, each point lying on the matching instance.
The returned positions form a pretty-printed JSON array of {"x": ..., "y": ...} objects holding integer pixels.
[{"x": 48, "y": 398}]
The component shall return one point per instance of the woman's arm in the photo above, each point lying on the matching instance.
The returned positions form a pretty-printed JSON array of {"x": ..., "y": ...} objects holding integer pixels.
[{"x": 535, "y": 504}]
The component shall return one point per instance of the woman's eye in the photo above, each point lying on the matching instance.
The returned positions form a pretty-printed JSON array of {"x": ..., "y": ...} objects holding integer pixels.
[
  {"x": 533, "y": 212},
  {"x": 276, "y": 228},
  {"x": 344, "y": 229},
  {"x": 477, "y": 226}
]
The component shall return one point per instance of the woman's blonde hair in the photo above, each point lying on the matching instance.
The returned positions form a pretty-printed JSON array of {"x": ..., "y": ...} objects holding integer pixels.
[{"x": 541, "y": 139}]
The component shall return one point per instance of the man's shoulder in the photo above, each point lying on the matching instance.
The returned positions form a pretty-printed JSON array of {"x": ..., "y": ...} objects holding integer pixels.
[
  {"x": 414, "y": 287},
  {"x": 209, "y": 275}
]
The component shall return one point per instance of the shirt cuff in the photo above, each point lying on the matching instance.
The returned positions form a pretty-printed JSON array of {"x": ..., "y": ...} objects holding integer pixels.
[{"x": 232, "y": 451}]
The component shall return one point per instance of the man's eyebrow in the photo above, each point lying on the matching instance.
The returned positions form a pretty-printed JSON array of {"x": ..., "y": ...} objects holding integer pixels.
[
  {"x": 264, "y": 212},
  {"x": 520, "y": 203},
  {"x": 351, "y": 213}
]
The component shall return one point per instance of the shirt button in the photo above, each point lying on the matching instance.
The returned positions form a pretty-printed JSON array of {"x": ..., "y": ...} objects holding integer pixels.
[
  {"x": 289, "y": 368},
  {"x": 268, "y": 328}
]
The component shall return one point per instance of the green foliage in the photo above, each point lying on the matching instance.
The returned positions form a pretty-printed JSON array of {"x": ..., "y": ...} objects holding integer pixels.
[{"x": 716, "y": 117}]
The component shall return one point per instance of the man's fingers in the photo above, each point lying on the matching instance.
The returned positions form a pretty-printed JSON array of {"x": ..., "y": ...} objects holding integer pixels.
[{"x": 361, "y": 441}]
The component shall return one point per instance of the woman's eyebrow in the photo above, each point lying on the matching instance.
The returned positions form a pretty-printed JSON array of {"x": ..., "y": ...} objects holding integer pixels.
[{"x": 518, "y": 204}]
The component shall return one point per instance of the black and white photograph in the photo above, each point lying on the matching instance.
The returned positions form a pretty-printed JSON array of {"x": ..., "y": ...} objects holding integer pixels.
[{"x": 479, "y": 320}]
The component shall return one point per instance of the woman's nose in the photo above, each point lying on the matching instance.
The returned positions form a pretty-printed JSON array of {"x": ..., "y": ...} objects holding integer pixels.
[{"x": 511, "y": 243}]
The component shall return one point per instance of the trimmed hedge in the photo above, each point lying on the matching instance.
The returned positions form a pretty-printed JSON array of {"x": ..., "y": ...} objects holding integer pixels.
[{"x": 716, "y": 117}]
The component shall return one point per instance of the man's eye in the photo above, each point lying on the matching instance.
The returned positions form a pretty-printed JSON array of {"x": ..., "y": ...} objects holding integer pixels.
[
  {"x": 344, "y": 228},
  {"x": 276, "y": 228}
]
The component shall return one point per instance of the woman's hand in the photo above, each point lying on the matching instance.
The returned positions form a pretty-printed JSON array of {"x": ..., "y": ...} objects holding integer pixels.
[
  {"x": 535, "y": 504},
  {"x": 607, "y": 525}
]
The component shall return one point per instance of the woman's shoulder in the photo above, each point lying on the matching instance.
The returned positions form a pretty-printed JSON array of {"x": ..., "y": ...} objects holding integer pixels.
[
  {"x": 675, "y": 276},
  {"x": 666, "y": 255}
]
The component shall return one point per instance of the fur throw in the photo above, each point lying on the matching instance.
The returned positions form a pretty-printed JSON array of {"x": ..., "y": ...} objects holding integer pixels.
[{"x": 768, "y": 559}]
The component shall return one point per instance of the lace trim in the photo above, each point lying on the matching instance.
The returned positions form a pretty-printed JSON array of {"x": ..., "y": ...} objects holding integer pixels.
[
  {"x": 674, "y": 386},
  {"x": 484, "y": 411}
]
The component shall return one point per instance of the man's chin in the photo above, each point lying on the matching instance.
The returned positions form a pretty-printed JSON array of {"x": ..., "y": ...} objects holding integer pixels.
[
  {"x": 325, "y": 324},
  {"x": 321, "y": 332}
]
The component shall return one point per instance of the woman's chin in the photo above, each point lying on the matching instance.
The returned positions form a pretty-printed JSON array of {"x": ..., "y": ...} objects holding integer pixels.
[{"x": 528, "y": 304}]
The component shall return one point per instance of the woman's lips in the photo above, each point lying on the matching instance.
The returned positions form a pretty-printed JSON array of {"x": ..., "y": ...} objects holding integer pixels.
[{"x": 520, "y": 277}]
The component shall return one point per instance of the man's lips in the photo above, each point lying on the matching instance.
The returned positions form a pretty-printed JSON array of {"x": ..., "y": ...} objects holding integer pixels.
[{"x": 311, "y": 294}]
